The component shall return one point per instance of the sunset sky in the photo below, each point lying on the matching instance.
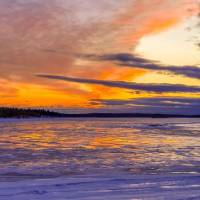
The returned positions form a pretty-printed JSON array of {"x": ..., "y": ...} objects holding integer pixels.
[{"x": 101, "y": 55}]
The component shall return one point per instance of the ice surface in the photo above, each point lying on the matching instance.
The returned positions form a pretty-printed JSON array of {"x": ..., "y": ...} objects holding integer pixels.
[
  {"x": 110, "y": 187},
  {"x": 99, "y": 159}
]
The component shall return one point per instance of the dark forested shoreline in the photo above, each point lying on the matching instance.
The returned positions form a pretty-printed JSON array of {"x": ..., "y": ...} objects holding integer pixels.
[{"x": 6, "y": 112}]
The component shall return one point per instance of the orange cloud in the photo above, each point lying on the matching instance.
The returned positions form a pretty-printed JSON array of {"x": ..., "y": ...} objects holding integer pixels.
[
  {"x": 150, "y": 17},
  {"x": 45, "y": 37}
]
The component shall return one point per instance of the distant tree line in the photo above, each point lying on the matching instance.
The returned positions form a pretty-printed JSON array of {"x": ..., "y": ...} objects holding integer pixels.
[{"x": 8, "y": 112}]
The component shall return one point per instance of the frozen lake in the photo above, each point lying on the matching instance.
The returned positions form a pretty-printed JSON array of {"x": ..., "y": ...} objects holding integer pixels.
[{"x": 100, "y": 159}]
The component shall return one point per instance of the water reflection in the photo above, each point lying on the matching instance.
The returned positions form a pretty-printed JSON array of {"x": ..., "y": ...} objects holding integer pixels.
[{"x": 57, "y": 147}]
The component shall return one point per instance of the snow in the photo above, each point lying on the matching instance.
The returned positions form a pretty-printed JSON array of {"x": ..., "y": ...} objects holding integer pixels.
[{"x": 105, "y": 187}]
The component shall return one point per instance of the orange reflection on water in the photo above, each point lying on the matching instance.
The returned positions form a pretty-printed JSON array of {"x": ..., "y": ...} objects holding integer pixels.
[{"x": 64, "y": 146}]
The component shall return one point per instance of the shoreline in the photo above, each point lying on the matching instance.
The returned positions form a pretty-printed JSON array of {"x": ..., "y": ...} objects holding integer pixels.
[{"x": 41, "y": 113}]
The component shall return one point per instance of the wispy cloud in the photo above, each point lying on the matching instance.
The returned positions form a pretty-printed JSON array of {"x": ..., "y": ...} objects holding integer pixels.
[
  {"x": 134, "y": 61},
  {"x": 152, "y": 102},
  {"x": 155, "y": 88},
  {"x": 181, "y": 105}
]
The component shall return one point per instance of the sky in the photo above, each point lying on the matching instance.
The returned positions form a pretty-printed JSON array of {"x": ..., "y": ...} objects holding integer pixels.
[{"x": 101, "y": 56}]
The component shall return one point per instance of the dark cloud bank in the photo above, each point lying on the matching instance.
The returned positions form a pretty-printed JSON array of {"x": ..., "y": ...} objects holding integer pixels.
[
  {"x": 131, "y": 60},
  {"x": 154, "y": 88}
]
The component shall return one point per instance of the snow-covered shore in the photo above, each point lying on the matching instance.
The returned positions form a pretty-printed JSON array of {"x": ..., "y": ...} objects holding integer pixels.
[{"x": 105, "y": 187}]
